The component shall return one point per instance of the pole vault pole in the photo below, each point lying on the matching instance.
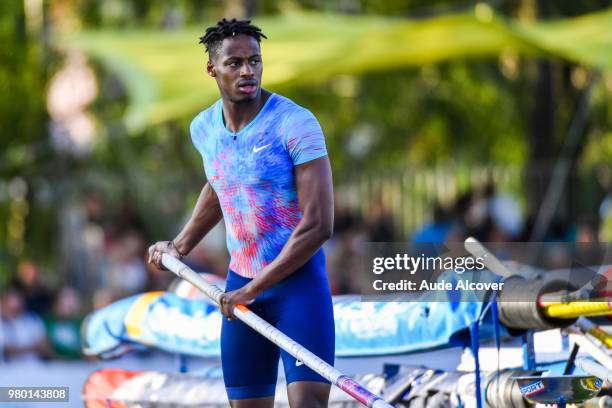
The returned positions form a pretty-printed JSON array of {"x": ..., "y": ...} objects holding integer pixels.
[{"x": 345, "y": 383}]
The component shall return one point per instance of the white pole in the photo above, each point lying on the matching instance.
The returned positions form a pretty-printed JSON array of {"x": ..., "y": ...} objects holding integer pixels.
[
  {"x": 345, "y": 383},
  {"x": 474, "y": 247}
]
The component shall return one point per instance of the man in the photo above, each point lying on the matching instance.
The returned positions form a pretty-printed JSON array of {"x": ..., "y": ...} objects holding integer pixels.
[
  {"x": 23, "y": 332},
  {"x": 269, "y": 178}
]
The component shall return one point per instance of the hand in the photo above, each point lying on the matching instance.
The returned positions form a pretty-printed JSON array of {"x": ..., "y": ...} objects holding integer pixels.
[
  {"x": 158, "y": 249},
  {"x": 242, "y": 296}
]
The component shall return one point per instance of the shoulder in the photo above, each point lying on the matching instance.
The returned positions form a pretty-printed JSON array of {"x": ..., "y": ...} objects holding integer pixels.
[
  {"x": 290, "y": 112},
  {"x": 204, "y": 118},
  {"x": 301, "y": 132},
  {"x": 202, "y": 124}
]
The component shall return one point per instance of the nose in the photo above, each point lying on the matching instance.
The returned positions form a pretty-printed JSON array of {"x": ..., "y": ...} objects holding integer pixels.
[{"x": 246, "y": 70}]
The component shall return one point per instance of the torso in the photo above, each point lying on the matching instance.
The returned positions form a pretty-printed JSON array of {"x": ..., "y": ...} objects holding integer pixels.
[{"x": 252, "y": 173}]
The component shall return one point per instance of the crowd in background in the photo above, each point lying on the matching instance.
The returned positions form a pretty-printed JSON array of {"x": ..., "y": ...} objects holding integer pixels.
[
  {"x": 38, "y": 323},
  {"x": 108, "y": 262}
]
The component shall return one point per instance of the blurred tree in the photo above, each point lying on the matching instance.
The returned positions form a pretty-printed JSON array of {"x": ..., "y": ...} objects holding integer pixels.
[
  {"x": 420, "y": 117},
  {"x": 471, "y": 111},
  {"x": 557, "y": 106},
  {"x": 22, "y": 118},
  {"x": 21, "y": 76}
]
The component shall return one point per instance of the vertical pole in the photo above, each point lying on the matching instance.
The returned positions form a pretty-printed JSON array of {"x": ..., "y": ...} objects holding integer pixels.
[{"x": 529, "y": 362}]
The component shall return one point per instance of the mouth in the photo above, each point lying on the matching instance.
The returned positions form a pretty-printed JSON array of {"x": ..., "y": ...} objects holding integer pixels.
[{"x": 247, "y": 87}]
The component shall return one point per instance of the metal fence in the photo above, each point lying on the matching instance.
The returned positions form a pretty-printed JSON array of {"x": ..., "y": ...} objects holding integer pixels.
[{"x": 410, "y": 193}]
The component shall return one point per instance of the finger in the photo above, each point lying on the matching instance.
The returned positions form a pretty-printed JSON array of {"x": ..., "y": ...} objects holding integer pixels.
[
  {"x": 230, "y": 312},
  {"x": 223, "y": 305},
  {"x": 229, "y": 309}
]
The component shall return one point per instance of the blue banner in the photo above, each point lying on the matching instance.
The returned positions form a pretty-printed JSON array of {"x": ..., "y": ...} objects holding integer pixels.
[{"x": 192, "y": 327}]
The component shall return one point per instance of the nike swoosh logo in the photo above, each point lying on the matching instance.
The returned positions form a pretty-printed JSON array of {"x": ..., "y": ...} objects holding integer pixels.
[
  {"x": 256, "y": 149},
  {"x": 298, "y": 363}
]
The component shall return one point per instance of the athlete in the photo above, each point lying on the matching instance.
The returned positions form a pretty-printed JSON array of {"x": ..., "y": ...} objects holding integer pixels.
[{"x": 269, "y": 178}]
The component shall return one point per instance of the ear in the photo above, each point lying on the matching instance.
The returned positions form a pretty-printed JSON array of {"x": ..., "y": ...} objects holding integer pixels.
[{"x": 210, "y": 68}]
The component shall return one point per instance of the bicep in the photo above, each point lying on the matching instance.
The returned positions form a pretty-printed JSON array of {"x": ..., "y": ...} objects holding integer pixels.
[
  {"x": 207, "y": 199},
  {"x": 210, "y": 193}
]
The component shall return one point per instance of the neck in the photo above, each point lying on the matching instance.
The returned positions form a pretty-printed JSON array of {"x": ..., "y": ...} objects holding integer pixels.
[{"x": 238, "y": 114}]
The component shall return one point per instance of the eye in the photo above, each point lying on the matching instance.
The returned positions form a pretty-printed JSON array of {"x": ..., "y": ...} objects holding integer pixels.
[
  {"x": 255, "y": 61},
  {"x": 234, "y": 64}
]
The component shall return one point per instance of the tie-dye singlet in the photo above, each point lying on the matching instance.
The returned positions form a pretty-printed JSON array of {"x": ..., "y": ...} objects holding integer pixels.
[{"x": 252, "y": 173}]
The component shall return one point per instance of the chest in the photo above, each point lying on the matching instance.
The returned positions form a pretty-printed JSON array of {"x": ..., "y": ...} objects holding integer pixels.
[{"x": 253, "y": 158}]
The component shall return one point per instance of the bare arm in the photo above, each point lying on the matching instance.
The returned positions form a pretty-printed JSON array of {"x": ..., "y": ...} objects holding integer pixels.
[
  {"x": 206, "y": 214},
  {"x": 315, "y": 195}
]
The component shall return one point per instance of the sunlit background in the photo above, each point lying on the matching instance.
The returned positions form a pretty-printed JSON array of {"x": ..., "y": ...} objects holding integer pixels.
[{"x": 442, "y": 118}]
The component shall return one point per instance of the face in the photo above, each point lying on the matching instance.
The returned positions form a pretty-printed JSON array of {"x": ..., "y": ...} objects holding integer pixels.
[
  {"x": 11, "y": 304},
  {"x": 236, "y": 66}
]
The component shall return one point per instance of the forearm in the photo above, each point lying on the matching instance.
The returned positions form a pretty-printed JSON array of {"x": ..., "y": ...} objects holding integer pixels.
[
  {"x": 304, "y": 242},
  {"x": 206, "y": 214}
]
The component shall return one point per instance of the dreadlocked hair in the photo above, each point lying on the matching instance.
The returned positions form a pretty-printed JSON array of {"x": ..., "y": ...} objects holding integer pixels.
[{"x": 229, "y": 28}]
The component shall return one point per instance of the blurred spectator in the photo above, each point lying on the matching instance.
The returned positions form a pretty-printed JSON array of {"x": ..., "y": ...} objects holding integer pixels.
[
  {"x": 506, "y": 215},
  {"x": 380, "y": 224},
  {"x": 64, "y": 325},
  {"x": 37, "y": 298},
  {"x": 586, "y": 232},
  {"x": 589, "y": 251},
  {"x": 437, "y": 230},
  {"x": 22, "y": 333},
  {"x": 487, "y": 215},
  {"x": 343, "y": 251},
  {"x": 344, "y": 259},
  {"x": 345, "y": 219},
  {"x": 81, "y": 243},
  {"x": 459, "y": 209}
]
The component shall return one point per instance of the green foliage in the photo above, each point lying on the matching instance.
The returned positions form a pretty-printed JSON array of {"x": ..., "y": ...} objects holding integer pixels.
[
  {"x": 151, "y": 13},
  {"x": 165, "y": 77},
  {"x": 22, "y": 133},
  {"x": 458, "y": 112},
  {"x": 22, "y": 112},
  {"x": 389, "y": 92}
]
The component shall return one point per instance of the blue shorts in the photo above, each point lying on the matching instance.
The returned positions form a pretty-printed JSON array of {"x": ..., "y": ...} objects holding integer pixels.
[{"x": 301, "y": 307}]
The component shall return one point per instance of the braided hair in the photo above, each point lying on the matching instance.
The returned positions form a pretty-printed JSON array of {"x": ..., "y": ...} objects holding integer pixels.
[{"x": 228, "y": 28}]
